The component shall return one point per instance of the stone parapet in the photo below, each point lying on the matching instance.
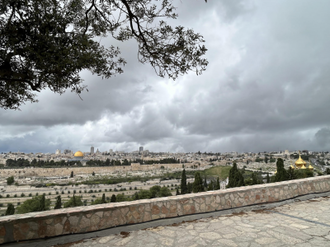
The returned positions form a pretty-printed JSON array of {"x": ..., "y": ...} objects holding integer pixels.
[{"x": 92, "y": 218}]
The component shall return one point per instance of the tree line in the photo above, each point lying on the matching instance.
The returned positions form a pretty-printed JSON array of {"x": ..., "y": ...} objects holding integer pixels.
[
  {"x": 21, "y": 163},
  {"x": 162, "y": 161},
  {"x": 108, "y": 162},
  {"x": 41, "y": 203}
]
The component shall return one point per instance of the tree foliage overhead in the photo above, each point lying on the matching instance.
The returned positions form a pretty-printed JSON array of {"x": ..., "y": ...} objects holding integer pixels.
[{"x": 46, "y": 43}]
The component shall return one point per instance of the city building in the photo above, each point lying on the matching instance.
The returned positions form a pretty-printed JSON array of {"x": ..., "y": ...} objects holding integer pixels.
[
  {"x": 140, "y": 149},
  {"x": 92, "y": 150}
]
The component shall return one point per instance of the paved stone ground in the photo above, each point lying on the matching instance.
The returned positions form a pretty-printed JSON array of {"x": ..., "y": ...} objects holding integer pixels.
[{"x": 305, "y": 223}]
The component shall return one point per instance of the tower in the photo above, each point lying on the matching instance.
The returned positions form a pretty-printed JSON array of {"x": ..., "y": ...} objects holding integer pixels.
[
  {"x": 141, "y": 149},
  {"x": 92, "y": 150}
]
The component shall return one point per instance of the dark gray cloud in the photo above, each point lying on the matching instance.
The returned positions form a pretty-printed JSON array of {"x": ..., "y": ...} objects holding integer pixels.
[{"x": 266, "y": 88}]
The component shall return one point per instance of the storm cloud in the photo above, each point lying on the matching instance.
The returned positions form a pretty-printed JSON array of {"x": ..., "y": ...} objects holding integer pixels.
[{"x": 266, "y": 88}]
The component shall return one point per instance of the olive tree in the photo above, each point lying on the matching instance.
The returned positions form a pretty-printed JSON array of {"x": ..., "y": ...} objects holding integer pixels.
[{"x": 46, "y": 43}]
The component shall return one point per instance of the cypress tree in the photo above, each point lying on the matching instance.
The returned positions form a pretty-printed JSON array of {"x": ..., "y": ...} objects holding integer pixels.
[
  {"x": 236, "y": 179},
  {"x": 211, "y": 185},
  {"x": 177, "y": 191},
  {"x": 217, "y": 185},
  {"x": 291, "y": 174},
  {"x": 103, "y": 198},
  {"x": 135, "y": 196},
  {"x": 189, "y": 187},
  {"x": 198, "y": 183},
  {"x": 42, "y": 205},
  {"x": 183, "y": 182},
  {"x": 58, "y": 203},
  {"x": 10, "y": 209},
  {"x": 113, "y": 198},
  {"x": 74, "y": 203},
  {"x": 281, "y": 174},
  {"x": 254, "y": 178},
  {"x": 268, "y": 179}
]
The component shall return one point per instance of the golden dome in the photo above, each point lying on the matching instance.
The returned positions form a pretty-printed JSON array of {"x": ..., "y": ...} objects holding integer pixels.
[
  {"x": 300, "y": 162},
  {"x": 78, "y": 154}
]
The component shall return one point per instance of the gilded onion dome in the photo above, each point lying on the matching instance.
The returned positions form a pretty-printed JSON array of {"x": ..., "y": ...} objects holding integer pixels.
[{"x": 300, "y": 163}]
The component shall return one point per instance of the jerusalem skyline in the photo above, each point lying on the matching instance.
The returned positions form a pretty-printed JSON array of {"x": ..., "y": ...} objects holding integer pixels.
[{"x": 265, "y": 89}]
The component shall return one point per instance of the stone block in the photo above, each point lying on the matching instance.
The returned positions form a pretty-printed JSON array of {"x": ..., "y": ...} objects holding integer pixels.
[{"x": 155, "y": 210}]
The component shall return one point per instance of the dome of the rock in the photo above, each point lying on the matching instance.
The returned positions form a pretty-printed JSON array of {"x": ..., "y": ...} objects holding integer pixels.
[{"x": 79, "y": 154}]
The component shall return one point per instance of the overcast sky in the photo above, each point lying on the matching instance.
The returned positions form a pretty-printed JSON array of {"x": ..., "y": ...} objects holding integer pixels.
[{"x": 266, "y": 89}]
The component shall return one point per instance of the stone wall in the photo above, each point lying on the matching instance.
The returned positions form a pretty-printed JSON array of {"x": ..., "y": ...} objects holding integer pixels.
[
  {"x": 91, "y": 218},
  {"x": 66, "y": 171}
]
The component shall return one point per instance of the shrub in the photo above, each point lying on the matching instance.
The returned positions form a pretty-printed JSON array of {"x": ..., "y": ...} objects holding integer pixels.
[
  {"x": 75, "y": 201},
  {"x": 38, "y": 203},
  {"x": 10, "y": 180},
  {"x": 22, "y": 195},
  {"x": 10, "y": 209}
]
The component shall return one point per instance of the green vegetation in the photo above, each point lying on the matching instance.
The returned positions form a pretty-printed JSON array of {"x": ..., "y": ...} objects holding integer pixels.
[
  {"x": 100, "y": 200},
  {"x": 113, "y": 198},
  {"x": 198, "y": 185},
  {"x": 108, "y": 162},
  {"x": 281, "y": 174},
  {"x": 10, "y": 180},
  {"x": 255, "y": 178},
  {"x": 70, "y": 32},
  {"x": 154, "y": 191},
  {"x": 10, "y": 209},
  {"x": 58, "y": 203},
  {"x": 236, "y": 178},
  {"x": 184, "y": 182},
  {"x": 37, "y": 203},
  {"x": 21, "y": 163},
  {"x": 162, "y": 161},
  {"x": 75, "y": 201},
  {"x": 221, "y": 172}
]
